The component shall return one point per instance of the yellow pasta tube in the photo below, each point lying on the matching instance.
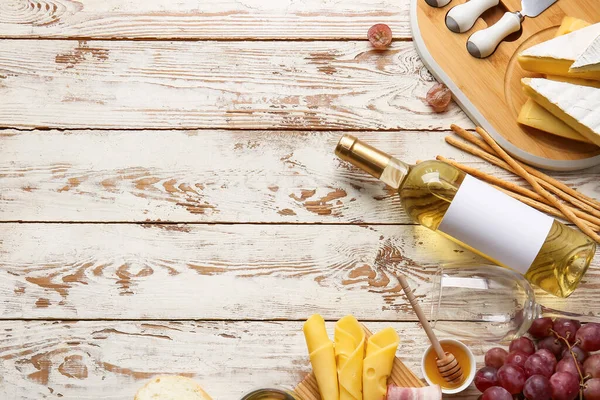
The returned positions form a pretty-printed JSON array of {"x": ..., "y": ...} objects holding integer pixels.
[
  {"x": 377, "y": 366},
  {"x": 349, "y": 353},
  {"x": 322, "y": 357}
]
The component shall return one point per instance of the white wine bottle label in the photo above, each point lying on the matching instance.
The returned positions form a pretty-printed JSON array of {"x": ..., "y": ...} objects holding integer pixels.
[{"x": 495, "y": 224}]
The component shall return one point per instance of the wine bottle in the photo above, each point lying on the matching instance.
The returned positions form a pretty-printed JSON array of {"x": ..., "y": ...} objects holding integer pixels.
[{"x": 480, "y": 217}]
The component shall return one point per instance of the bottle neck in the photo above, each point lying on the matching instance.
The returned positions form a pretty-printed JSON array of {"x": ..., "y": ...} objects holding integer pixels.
[{"x": 379, "y": 164}]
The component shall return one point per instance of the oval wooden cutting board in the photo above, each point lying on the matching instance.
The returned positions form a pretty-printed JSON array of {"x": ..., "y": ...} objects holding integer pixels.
[{"x": 489, "y": 90}]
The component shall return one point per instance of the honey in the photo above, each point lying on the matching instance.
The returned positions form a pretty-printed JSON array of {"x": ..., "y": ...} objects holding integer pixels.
[{"x": 431, "y": 368}]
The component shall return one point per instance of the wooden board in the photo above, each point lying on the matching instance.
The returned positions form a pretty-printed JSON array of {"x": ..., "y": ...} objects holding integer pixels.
[
  {"x": 401, "y": 376},
  {"x": 489, "y": 90}
]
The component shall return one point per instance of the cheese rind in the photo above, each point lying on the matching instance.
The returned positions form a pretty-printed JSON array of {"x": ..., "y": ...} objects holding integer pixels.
[
  {"x": 565, "y": 47},
  {"x": 589, "y": 60},
  {"x": 574, "y": 81},
  {"x": 577, "y": 106},
  {"x": 349, "y": 340},
  {"x": 322, "y": 357},
  {"x": 555, "y": 56},
  {"x": 536, "y": 116},
  {"x": 378, "y": 363}
]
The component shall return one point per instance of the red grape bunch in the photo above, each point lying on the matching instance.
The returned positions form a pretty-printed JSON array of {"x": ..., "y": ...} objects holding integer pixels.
[{"x": 557, "y": 366}]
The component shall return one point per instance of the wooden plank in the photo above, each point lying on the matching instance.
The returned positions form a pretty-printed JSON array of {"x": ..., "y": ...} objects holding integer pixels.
[
  {"x": 112, "y": 360},
  {"x": 128, "y": 271},
  {"x": 205, "y": 271},
  {"x": 248, "y": 19},
  {"x": 249, "y": 85},
  {"x": 210, "y": 176}
]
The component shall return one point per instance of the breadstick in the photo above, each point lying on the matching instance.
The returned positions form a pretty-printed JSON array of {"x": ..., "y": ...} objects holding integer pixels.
[
  {"x": 468, "y": 136},
  {"x": 540, "y": 190},
  {"x": 512, "y": 187},
  {"x": 555, "y": 212}
]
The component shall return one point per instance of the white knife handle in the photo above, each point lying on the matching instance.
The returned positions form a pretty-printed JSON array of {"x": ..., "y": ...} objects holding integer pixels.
[
  {"x": 437, "y": 3},
  {"x": 483, "y": 43},
  {"x": 462, "y": 17}
]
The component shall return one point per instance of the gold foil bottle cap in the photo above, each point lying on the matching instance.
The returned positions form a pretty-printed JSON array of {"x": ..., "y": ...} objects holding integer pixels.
[{"x": 361, "y": 155}]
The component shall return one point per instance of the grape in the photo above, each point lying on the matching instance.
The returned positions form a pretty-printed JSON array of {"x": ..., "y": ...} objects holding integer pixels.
[
  {"x": 537, "y": 365},
  {"x": 537, "y": 387},
  {"x": 380, "y": 36},
  {"x": 522, "y": 344},
  {"x": 438, "y": 97},
  {"x": 517, "y": 358},
  {"x": 566, "y": 328},
  {"x": 548, "y": 356},
  {"x": 589, "y": 337},
  {"x": 591, "y": 389},
  {"x": 512, "y": 378},
  {"x": 554, "y": 345},
  {"x": 485, "y": 378},
  {"x": 496, "y": 393},
  {"x": 495, "y": 357},
  {"x": 591, "y": 366},
  {"x": 570, "y": 366},
  {"x": 580, "y": 354},
  {"x": 564, "y": 386},
  {"x": 540, "y": 328}
]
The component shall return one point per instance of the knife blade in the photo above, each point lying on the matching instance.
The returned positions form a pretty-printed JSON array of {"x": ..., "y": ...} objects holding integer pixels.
[{"x": 483, "y": 43}]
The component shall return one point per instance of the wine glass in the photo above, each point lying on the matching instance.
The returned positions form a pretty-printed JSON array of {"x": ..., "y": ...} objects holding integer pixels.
[{"x": 500, "y": 299}]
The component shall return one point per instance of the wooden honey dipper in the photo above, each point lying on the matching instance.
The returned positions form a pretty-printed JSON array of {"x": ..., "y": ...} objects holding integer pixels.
[{"x": 446, "y": 362}]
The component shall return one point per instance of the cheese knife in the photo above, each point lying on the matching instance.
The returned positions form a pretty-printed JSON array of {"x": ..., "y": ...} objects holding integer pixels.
[
  {"x": 462, "y": 17},
  {"x": 483, "y": 43}
]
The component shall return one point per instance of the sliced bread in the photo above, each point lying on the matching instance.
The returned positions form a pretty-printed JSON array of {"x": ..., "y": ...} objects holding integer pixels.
[{"x": 170, "y": 387}]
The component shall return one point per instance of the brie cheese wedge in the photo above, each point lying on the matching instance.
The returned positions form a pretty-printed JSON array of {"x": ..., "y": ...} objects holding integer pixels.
[
  {"x": 577, "y": 106},
  {"x": 536, "y": 116},
  {"x": 589, "y": 60},
  {"x": 555, "y": 56}
]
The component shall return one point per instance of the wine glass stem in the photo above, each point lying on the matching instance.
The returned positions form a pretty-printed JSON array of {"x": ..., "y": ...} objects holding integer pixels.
[{"x": 542, "y": 311}]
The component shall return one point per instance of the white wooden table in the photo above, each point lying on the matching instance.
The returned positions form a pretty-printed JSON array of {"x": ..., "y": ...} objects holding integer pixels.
[{"x": 170, "y": 201}]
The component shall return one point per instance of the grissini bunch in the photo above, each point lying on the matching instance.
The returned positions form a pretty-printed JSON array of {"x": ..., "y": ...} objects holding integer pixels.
[{"x": 583, "y": 211}]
